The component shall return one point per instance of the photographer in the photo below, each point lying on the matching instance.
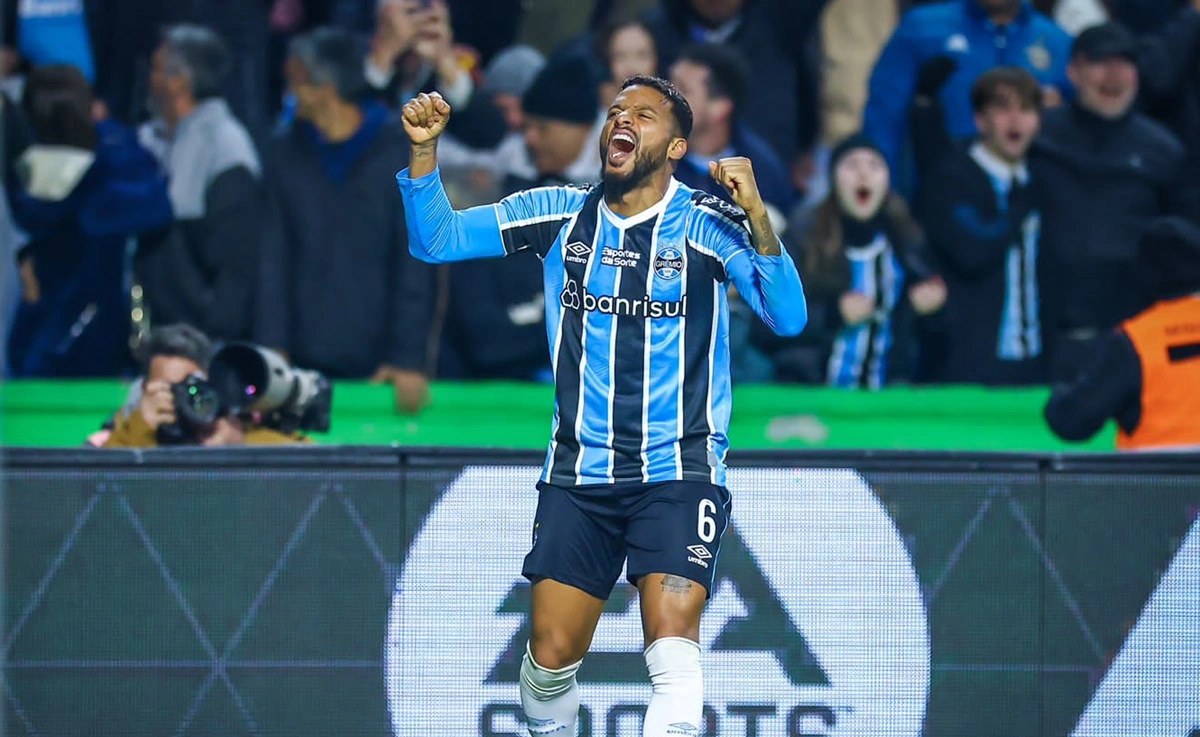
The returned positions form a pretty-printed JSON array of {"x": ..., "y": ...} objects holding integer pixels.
[{"x": 169, "y": 356}]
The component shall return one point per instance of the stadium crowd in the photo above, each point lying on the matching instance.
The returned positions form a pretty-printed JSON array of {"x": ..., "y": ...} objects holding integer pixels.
[{"x": 964, "y": 184}]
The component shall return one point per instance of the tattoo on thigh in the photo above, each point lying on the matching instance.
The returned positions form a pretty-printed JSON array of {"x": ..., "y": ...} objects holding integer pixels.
[{"x": 676, "y": 584}]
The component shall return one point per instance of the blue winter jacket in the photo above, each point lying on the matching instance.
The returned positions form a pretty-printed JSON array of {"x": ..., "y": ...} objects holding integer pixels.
[
  {"x": 80, "y": 325},
  {"x": 959, "y": 29}
]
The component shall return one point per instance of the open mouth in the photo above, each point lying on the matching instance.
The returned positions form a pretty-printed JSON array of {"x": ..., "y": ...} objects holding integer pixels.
[
  {"x": 1014, "y": 137},
  {"x": 620, "y": 147},
  {"x": 862, "y": 195}
]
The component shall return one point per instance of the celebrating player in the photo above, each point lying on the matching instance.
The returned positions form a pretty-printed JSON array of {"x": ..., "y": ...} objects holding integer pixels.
[{"x": 636, "y": 272}]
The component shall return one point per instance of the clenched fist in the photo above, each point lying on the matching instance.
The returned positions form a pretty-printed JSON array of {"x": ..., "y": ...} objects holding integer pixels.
[
  {"x": 737, "y": 177},
  {"x": 425, "y": 117}
]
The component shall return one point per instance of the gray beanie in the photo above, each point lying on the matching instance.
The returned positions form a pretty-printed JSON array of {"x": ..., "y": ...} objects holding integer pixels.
[{"x": 513, "y": 70}]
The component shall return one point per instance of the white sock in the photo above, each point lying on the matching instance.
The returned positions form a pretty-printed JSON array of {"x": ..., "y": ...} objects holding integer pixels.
[
  {"x": 677, "y": 707},
  {"x": 550, "y": 698}
]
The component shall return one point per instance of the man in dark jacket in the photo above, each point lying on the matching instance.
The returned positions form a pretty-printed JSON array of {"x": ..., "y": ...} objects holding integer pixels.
[
  {"x": 1109, "y": 170},
  {"x": 1169, "y": 68},
  {"x": 202, "y": 271},
  {"x": 338, "y": 290},
  {"x": 715, "y": 80},
  {"x": 981, "y": 214},
  {"x": 773, "y": 36}
]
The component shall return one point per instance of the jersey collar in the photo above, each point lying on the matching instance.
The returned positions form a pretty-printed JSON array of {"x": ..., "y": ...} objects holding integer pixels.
[{"x": 648, "y": 214}]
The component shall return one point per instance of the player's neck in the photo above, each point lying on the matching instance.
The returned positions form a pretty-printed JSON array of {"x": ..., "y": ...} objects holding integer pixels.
[{"x": 640, "y": 198}]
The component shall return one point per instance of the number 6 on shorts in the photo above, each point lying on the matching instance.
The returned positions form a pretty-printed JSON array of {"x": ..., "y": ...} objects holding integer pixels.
[{"x": 706, "y": 526}]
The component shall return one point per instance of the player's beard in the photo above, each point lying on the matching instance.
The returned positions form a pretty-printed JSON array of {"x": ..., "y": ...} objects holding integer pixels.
[{"x": 644, "y": 164}]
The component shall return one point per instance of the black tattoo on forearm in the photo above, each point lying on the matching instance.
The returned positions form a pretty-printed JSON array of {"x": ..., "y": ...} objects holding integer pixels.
[
  {"x": 765, "y": 240},
  {"x": 676, "y": 584}
]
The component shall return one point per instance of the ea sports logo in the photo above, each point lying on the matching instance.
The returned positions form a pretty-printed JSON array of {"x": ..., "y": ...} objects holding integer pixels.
[
  {"x": 668, "y": 263},
  {"x": 816, "y": 625}
]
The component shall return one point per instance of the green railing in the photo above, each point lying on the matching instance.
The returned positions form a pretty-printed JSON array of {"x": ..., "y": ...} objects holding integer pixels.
[{"x": 36, "y": 413}]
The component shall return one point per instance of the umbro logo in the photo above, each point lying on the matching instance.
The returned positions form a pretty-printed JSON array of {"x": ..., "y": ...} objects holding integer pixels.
[
  {"x": 577, "y": 252},
  {"x": 699, "y": 555}
]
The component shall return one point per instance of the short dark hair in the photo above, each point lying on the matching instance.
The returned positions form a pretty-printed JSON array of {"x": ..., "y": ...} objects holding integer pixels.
[
  {"x": 332, "y": 56},
  {"x": 995, "y": 85},
  {"x": 199, "y": 54},
  {"x": 58, "y": 102},
  {"x": 680, "y": 108},
  {"x": 179, "y": 340},
  {"x": 728, "y": 72}
]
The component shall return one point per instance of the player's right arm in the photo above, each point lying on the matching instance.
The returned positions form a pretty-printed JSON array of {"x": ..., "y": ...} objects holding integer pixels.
[{"x": 437, "y": 233}]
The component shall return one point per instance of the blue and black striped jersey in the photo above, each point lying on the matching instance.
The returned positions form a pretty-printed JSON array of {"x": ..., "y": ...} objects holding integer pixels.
[{"x": 637, "y": 317}]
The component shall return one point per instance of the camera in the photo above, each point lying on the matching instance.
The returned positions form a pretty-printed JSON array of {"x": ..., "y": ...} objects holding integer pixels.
[
  {"x": 254, "y": 380},
  {"x": 249, "y": 380},
  {"x": 197, "y": 408}
]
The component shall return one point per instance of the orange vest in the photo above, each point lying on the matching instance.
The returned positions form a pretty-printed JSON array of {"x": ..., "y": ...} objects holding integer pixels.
[{"x": 1167, "y": 340}]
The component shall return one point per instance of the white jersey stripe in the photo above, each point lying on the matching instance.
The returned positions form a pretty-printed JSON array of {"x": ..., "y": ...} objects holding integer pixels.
[
  {"x": 554, "y": 351},
  {"x": 712, "y": 389},
  {"x": 612, "y": 352},
  {"x": 583, "y": 355}
]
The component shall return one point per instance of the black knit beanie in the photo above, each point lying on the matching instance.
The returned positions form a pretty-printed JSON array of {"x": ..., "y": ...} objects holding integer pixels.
[{"x": 565, "y": 89}]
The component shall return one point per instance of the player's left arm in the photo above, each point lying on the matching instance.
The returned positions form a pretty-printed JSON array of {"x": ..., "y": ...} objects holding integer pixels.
[{"x": 753, "y": 256}]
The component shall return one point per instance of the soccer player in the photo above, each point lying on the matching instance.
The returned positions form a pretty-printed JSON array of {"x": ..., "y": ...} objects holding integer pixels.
[{"x": 636, "y": 272}]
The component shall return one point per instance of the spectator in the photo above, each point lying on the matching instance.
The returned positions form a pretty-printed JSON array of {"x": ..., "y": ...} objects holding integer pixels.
[
  {"x": 338, "y": 291},
  {"x": 507, "y": 338},
  {"x": 862, "y": 250},
  {"x": 201, "y": 271},
  {"x": 413, "y": 51},
  {"x": 853, "y": 32},
  {"x": 560, "y": 112},
  {"x": 627, "y": 50},
  {"x": 1145, "y": 373},
  {"x": 82, "y": 191},
  {"x": 474, "y": 176},
  {"x": 487, "y": 27},
  {"x": 508, "y": 77},
  {"x": 243, "y": 26},
  {"x": 981, "y": 214},
  {"x": 973, "y": 36},
  {"x": 773, "y": 37},
  {"x": 1169, "y": 71},
  {"x": 715, "y": 81},
  {"x": 1109, "y": 170},
  {"x": 170, "y": 355}
]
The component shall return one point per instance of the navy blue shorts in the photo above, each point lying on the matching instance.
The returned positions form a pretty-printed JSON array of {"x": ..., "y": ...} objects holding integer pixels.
[{"x": 583, "y": 534}]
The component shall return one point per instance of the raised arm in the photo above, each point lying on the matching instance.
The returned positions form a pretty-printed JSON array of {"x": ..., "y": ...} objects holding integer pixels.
[
  {"x": 752, "y": 255},
  {"x": 436, "y": 233}
]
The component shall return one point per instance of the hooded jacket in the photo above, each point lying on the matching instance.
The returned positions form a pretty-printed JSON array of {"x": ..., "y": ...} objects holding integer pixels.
[{"x": 78, "y": 239}]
